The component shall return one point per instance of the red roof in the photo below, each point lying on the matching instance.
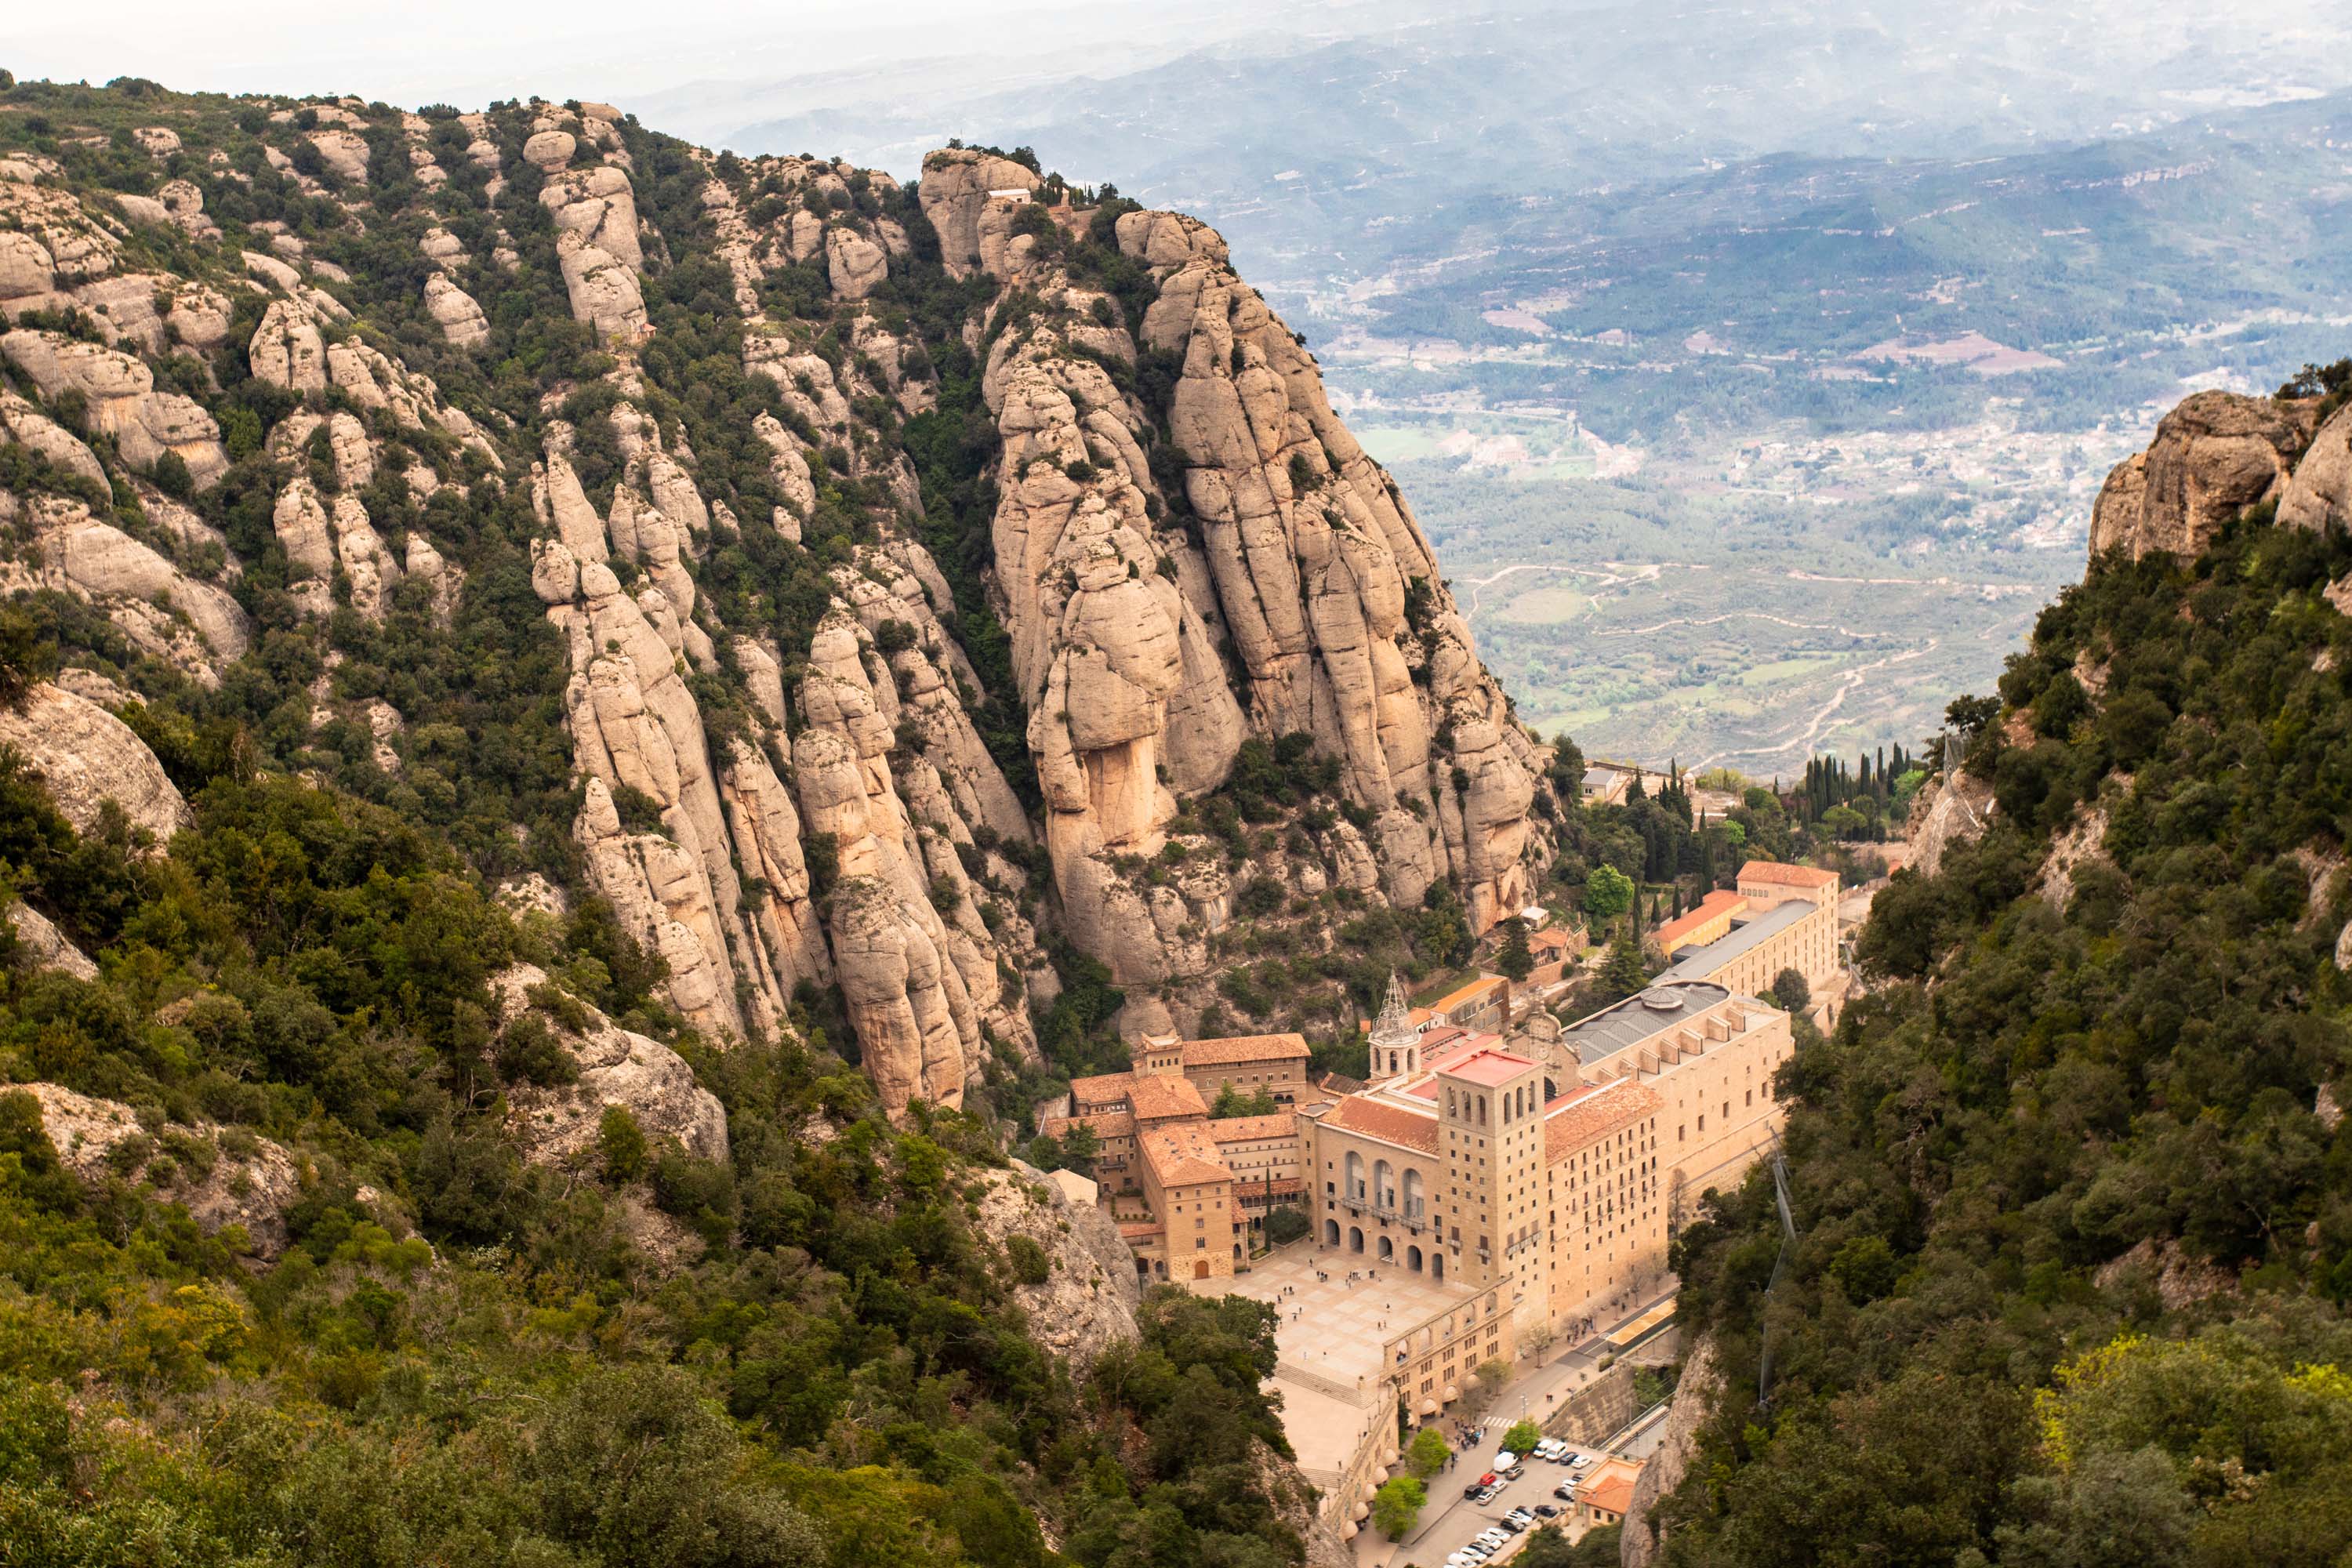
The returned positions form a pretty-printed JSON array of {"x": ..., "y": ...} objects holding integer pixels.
[
  {"x": 1105, "y": 1123},
  {"x": 1156, "y": 1098},
  {"x": 1474, "y": 991},
  {"x": 1244, "y": 1049},
  {"x": 1575, "y": 1121},
  {"x": 1611, "y": 1494},
  {"x": 1184, "y": 1156},
  {"x": 1785, "y": 876},
  {"x": 1101, "y": 1088},
  {"x": 1714, "y": 906},
  {"x": 1246, "y": 1129},
  {"x": 1491, "y": 1068},
  {"x": 1390, "y": 1123}
]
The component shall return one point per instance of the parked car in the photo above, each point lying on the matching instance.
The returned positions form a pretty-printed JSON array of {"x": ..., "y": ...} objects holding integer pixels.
[
  {"x": 1565, "y": 1491},
  {"x": 1504, "y": 1460},
  {"x": 1545, "y": 1511},
  {"x": 1518, "y": 1518},
  {"x": 1488, "y": 1494}
]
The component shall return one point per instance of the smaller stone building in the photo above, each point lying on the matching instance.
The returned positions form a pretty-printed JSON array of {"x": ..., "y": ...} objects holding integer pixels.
[
  {"x": 1782, "y": 917},
  {"x": 1191, "y": 1191},
  {"x": 1603, "y": 1497}
]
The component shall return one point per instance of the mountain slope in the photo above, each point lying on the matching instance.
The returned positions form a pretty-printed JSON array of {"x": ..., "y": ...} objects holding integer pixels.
[
  {"x": 588, "y": 726},
  {"x": 2073, "y": 1234},
  {"x": 787, "y": 473}
]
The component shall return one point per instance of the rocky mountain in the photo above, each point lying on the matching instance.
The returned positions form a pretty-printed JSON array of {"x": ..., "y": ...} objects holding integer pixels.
[
  {"x": 908, "y": 565},
  {"x": 585, "y": 729}
]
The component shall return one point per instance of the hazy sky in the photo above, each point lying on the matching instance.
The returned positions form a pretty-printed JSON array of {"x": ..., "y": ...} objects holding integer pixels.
[{"x": 424, "y": 51}]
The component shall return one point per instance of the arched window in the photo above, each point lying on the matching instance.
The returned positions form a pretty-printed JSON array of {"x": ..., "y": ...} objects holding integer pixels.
[
  {"x": 1330, "y": 1232},
  {"x": 1412, "y": 1259},
  {"x": 1386, "y": 1250},
  {"x": 1383, "y": 1183},
  {"x": 1414, "y": 1201},
  {"x": 1354, "y": 1238},
  {"x": 1438, "y": 1265},
  {"x": 1355, "y": 1188}
]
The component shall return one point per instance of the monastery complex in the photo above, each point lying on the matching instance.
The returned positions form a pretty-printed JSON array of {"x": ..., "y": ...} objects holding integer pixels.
[{"x": 1500, "y": 1177}]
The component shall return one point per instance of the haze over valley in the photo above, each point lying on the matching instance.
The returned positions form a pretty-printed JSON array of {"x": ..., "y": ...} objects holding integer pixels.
[{"x": 1753, "y": 368}]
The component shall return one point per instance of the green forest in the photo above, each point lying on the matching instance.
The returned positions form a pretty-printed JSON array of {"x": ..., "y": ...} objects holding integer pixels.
[{"x": 2071, "y": 1198}]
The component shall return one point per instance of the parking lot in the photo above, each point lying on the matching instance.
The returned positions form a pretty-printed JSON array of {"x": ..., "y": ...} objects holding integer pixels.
[{"x": 1465, "y": 1520}]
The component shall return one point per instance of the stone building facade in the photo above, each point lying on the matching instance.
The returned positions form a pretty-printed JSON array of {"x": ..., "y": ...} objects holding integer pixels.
[
  {"x": 1781, "y": 916},
  {"x": 1708, "y": 1054},
  {"x": 1191, "y": 1191}
]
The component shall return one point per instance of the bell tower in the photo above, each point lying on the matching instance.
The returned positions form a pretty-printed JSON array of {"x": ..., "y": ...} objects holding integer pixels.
[{"x": 1395, "y": 1043}]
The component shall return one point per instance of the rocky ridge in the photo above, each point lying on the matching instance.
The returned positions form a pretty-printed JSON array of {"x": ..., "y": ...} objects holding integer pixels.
[{"x": 801, "y": 765}]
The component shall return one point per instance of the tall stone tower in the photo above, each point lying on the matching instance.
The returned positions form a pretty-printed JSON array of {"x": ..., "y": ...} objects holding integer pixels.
[
  {"x": 1396, "y": 1044},
  {"x": 1491, "y": 1133}
]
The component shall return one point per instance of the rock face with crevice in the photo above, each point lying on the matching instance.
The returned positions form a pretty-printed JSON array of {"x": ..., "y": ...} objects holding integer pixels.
[
  {"x": 2214, "y": 455},
  {"x": 1285, "y": 589},
  {"x": 616, "y": 1066},
  {"x": 2319, "y": 494},
  {"x": 1087, "y": 1303},
  {"x": 85, "y": 757}
]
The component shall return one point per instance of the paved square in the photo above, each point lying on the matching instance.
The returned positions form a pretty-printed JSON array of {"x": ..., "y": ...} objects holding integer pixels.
[{"x": 1332, "y": 1327}]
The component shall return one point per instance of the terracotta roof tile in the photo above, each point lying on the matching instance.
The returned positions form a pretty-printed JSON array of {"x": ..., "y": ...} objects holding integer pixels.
[
  {"x": 1785, "y": 876},
  {"x": 1101, "y": 1087},
  {"x": 1613, "y": 1493},
  {"x": 1574, "y": 1121},
  {"x": 1244, "y": 1049},
  {"x": 1714, "y": 906},
  {"x": 1245, "y": 1128},
  {"x": 1185, "y": 1156},
  {"x": 1476, "y": 990},
  {"x": 1155, "y": 1098},
  {"x": 1393, "y": 1123},
  {"x": 1105, "y": 1123},
  {"x": 1490, "y": 1068}
]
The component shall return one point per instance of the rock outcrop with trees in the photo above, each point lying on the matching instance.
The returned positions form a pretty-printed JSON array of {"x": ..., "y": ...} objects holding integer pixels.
[{"x": 2068, "y": 1180}]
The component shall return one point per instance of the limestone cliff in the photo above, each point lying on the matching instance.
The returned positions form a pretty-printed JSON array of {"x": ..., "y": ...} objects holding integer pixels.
[
  {"x": 222, "y": 1177},
  {"x": 1085, "y": 1302},
  {"x": 1695, "y": 1396},
  {"x": 1282, "y": 587},
  {"x": 2215, "y": 454},
  {"x": 876, "y": 682}
]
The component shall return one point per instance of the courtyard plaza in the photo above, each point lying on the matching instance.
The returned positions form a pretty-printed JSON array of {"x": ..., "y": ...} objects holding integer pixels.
[
  {"x": 1333, "y": 1326},
  {"x": 1329, "y": 1343}
]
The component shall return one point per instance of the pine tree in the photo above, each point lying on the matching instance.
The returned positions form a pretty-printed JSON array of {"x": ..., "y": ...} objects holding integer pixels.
[{"x": 1622, "y": 973}]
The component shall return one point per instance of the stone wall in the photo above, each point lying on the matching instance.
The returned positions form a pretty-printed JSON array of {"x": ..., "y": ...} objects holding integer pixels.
[{"x": 1600, "y": 1407}]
